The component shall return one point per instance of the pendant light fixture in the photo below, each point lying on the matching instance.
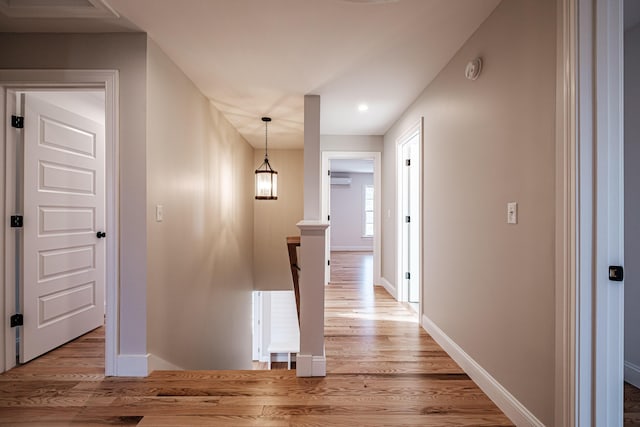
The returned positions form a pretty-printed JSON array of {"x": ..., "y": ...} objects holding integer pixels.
[{"x": 266, "y": 177}]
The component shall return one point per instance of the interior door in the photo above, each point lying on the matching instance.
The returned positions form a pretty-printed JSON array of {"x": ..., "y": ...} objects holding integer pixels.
[
  {"x": 62, "y": 293},
  {"x": 413, "y": 227},
  {"x": 410, "y": 219},
  {"x": 326, "y": 213}
]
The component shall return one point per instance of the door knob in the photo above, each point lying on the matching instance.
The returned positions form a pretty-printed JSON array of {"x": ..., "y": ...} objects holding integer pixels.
[{"x": 101, "y": 234}]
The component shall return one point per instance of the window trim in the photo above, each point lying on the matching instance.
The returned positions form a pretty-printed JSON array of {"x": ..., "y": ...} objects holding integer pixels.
[{"x": 364, "y": 210}]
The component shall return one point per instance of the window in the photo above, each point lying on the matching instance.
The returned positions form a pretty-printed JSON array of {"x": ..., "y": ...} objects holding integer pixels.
[{"x": 368, "y": 211}]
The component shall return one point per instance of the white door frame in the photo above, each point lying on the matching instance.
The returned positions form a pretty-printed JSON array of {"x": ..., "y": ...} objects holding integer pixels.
[
  {"x": 406, "y": 136},
  {"x": 25, "y": 80},
  {"x": 589, "y": 220},
  {"x": 325, "y": 185}
]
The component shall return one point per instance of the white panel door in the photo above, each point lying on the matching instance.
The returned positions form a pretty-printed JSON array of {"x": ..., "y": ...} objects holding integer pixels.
[
  {"x": 413, "y": 196},
  {"x": 63, "y": 258},
  {"x": 410, "y": 203}
]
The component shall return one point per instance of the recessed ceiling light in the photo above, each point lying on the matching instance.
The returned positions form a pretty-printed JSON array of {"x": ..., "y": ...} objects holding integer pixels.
[{"x": 363, "y": 107}]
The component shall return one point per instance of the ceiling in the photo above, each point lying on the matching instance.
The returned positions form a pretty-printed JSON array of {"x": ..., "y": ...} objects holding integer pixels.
[{"x": 256, "y": 58}]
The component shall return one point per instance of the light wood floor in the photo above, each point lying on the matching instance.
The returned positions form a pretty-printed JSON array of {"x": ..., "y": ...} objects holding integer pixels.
[
  {"x": 383, "y": 370},
  {"x": 631, "y": 405}
]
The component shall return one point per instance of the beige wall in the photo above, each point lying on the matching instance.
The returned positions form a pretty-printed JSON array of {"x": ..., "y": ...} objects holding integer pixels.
[
  {"x": 347, "y": 214},
  {"x": 274, "y": 220},
  {"x": 632, "y": 203},
  {"x": 126, "y": 53},
  {"x": 489, "y": 285},
  {"x": 351, "y": 143},
  {"x": 200, "y": 256}
]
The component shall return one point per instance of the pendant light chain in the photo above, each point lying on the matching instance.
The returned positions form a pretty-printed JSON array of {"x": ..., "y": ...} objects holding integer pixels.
[{"x": 266, "y": 151}]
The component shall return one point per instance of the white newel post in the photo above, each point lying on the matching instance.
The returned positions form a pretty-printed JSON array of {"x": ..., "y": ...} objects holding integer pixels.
[{"x": 311, "y": 360}]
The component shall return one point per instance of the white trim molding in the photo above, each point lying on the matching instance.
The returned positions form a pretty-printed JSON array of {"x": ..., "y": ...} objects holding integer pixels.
[
  {"x": 632, "y": 374},
  {"x": 512, "y": 408},
  {"x": 158, "y": 364},
  {"x": 312, "y": 268},
  {"x": 402, "y": 286},
  {"x": 589, "y": 215},
  {"x": 335, "y": 248},
  {"x": 308, "y": 365},
  {"x": 393, "y": 291},
  {"x": 566, "y": 382},
  {"x": 133, "y": 365}
]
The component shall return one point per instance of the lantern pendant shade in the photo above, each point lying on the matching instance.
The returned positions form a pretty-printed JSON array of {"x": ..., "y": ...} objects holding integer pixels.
[
  {"x": 266, "y": 182},
  {"x": 266, "y": 177}
]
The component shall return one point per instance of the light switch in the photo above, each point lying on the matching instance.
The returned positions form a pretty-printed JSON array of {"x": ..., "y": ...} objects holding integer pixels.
[
  {"x": 159, "y": 213},
  {"x": 512, "y": 213}
]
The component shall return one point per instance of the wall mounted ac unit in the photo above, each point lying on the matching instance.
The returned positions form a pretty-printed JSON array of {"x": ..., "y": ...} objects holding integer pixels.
[{"x": 337, "y": 180}]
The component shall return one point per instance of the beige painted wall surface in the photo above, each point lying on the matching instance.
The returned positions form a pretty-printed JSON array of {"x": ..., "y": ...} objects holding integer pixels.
[
  {"x": 632, "y": 198},
  {"x": 274, "y": 220},
  {"x": 200, "y": 256},
  {"x": 373, "y": 143},
  {"x": 126, "y": 53},
  {"x": 487, "y": 284}
]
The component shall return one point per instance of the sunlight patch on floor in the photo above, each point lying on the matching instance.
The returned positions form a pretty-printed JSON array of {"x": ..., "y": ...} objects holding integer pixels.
[{"x": 401, "y": 317}]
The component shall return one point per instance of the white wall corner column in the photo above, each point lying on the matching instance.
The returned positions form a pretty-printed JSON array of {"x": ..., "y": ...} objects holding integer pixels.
[
  {"x": 311, "y": 360},
  {"x": 312, "y": 157}
]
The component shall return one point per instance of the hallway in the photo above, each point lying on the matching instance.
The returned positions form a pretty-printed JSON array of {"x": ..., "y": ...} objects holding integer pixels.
[{"x": 383, "y": 370}]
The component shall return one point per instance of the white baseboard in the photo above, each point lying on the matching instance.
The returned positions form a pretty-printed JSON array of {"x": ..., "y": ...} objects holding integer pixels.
[
  {"x": 632, "y": 374},
  {"x": 308, "y": 365},
  {"x": 133, "y": 365},
  {"x": 352, "y": 248},
  {"x": 512, "y": 408},
  {"x": 158, "y": 364},
  {"x": 388, "y": 286}
]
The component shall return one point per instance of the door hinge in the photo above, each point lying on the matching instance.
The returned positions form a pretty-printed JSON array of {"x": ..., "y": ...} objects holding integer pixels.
[
  {"x": 328, "y": 173},
  {"x": 16, "y": 221},
  {"x": 616, "y": 273},
  {"x": 328, "y": 217},
  {"x": 16, "y": 320},
  {"x": 407, "y": 275},
  {"x": 17, "y": 122},
  {"x": 328, "y": 262},
  {"x": 407, "y": 218},
  {"x": 407, "y": 162}
]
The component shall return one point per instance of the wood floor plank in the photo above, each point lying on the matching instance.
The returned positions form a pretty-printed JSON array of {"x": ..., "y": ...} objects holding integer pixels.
[{"x": 383, "y": 369}]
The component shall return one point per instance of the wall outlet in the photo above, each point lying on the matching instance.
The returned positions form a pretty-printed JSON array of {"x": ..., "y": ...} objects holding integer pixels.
[
  {"x": 512, "y": 213},
  {"x": 159, "y": 213}
]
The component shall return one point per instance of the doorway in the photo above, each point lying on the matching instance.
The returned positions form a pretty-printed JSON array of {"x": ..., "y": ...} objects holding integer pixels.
[
  {"x": 102, "y": 84},
  {"x": 355, "y": 158},
  {"x": 409, "y": 215},
  {"x": 351, "y": 204}
]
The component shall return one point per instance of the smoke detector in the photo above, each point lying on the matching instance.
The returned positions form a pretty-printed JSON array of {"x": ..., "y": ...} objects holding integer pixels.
[{"x": 474, "y": 67}]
